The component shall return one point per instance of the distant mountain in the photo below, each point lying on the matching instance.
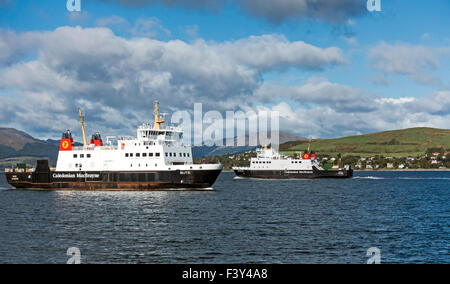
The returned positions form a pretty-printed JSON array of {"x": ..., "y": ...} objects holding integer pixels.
[
  {"x": 18, "y": 146},
  {"x": 405, "y": 142},
  {"x": 15, "y": 139}
]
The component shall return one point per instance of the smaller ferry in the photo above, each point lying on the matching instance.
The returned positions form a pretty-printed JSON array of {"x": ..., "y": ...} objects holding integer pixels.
[{"x": 269, "y": 164}]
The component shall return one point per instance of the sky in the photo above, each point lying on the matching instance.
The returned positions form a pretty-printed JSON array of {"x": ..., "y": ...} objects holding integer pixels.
[{"x": 332, "y": 68}]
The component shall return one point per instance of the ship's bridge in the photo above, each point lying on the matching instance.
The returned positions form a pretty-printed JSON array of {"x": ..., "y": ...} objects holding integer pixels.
[
  {"x": 146, "y": 132},
  {"x": 267, "y": 153}
]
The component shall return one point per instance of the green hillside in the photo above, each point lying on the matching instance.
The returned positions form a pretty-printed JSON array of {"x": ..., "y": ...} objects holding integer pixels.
[{"x": 398, "y": 143}]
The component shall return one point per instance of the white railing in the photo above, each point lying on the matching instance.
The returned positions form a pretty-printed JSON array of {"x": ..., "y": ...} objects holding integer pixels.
[
  {"x": 19, "y": 170},
  {"x": 88, "y": 148},
  {"x": 126, "y": 138}
]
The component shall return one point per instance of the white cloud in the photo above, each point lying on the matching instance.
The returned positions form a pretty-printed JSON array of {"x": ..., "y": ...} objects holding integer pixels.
[
  {"x": 79, "y": 17},
  {"x": 116, "y": 79},
  {"x": 318, "y": 91},
  {"x": 149, "y": 27},
  {"x": 351, "y": 40},
  {"x": 395, "y": 101},
  {"x": 92, "y": 66},
  {"x": 437, "y": 104},
  {"x": 192, "y": 31},
  {"x": 276, "y": 52},
  {"x": 388, "y": 114},
  {"x": 414, "y": 61},
  {"x": 112, "y": 21}
]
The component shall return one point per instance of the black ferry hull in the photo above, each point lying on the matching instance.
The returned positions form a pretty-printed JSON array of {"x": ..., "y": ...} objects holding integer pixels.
[
  {"x": 133, "y": 181},
  {"x": 294, "y": 174}
]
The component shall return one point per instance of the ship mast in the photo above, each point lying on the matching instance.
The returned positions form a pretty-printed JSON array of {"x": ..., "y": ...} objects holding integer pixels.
[
  {"x": 158, "y": 119},
  {"x": 82, "y": 128}
]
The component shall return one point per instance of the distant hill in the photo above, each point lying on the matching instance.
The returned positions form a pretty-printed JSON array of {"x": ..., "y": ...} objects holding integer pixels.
[
  {"x": 15, "y": 139},
  {"x": 17, "y": 146},
  {"x": 399, "y": 143}
]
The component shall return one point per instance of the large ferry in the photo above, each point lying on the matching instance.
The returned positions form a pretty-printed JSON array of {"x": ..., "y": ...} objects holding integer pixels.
[
  {"x": 154, "y": 160},
  {"x": 269, "y": 164}
]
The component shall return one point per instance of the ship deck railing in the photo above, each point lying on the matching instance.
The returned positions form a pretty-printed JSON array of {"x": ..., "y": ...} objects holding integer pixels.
[
  {"x": 124, "y": 138},
  {"x": 92, "y": 148},
  {"x": 19, "y": 170}
]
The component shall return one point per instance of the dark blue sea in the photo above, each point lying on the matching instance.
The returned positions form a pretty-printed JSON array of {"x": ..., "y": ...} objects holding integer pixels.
[{"x": 405, "y": 215}]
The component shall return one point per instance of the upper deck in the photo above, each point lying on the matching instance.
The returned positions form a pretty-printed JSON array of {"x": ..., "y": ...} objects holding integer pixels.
[{"x": 146, "y": 132}]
